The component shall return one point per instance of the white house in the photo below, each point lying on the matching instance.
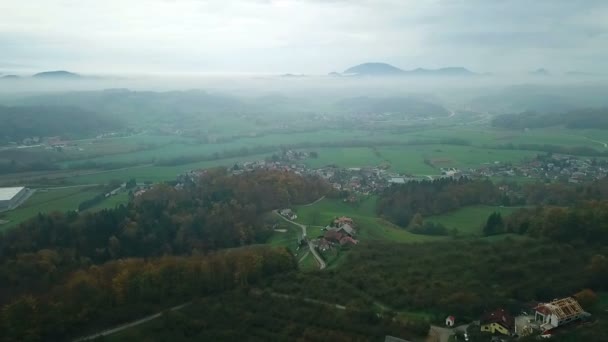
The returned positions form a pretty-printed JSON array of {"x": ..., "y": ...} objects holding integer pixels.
[
  {"x": 449, "y": 321},
  {"x": 558, "y": 312}
]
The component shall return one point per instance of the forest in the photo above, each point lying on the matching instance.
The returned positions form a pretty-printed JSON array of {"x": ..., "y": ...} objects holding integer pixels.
[
  {"x": 99, "y": 296},
  {"x": 460, "y": 277},
  {"x": 239, "y": 315},
  {"x": 217, "y": 210},
  {"x": 400, "y": 203},
  {"x": 585, "y": 224}
]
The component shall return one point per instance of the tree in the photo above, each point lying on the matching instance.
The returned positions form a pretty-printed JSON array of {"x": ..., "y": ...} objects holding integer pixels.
[
  {"x": 494, "y": 224},
  {"x": 587, "y": 299},
  {"x": 598, "y": 271}
]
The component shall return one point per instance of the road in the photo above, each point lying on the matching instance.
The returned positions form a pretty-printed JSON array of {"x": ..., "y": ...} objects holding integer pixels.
[
  {"x": 312, "y": 249},
  {"x": 128, "y": 325}
]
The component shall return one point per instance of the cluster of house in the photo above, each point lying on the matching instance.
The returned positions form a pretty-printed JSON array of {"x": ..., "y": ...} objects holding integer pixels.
[
  {"x": 190, "y": 177},
  {"x": 340, "y": 233},
  {"x": 553, "y": 167},
  {"x": 356, "y": 180},
  {"x": 547, "y": 317}
]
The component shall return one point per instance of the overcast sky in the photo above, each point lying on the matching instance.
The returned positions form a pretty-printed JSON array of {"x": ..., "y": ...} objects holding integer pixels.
[{"x": 302, "y": 36}]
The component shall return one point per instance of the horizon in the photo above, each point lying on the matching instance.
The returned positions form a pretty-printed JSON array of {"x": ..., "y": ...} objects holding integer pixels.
[{"x": 305, "y": 36}]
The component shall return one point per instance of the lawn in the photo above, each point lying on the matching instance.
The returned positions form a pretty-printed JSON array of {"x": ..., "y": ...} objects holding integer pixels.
[
  {"x": 309, "y": 263},
  {"x": 111, "y": 202},
  {"x": 50, "y": 200},
  {"x": 469, "y": 220},
  {"x": 370, "y": 227}
]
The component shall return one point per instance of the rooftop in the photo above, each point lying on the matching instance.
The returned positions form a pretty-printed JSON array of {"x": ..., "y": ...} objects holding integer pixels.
[
  {"x": 7, "y": 194},
  {"x": 499, "y": 316}
]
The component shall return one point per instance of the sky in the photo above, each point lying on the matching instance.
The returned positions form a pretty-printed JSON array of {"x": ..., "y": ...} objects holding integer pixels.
[{"x": 301, "y": 36}]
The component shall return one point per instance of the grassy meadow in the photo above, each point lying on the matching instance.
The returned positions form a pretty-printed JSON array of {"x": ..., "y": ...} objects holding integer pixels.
[
  {"x": 469, "y": 220},
  {"x": 369, "y": 226}
]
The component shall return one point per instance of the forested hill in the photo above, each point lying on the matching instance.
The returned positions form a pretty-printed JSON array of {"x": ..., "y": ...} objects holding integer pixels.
[
  {"x": 22, "y": 122},
  {"x": 582, "y": 118},
  {"x": 219, "y": 211},
  {"x": 119, "y": 291}
]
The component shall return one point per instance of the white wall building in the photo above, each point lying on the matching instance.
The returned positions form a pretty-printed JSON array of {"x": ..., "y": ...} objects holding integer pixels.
[{"x": 10, "y": 198}]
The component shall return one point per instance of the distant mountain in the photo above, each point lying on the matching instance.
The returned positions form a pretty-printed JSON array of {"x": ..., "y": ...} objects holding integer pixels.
[
  {"x": 293, "y": 75},
  {"x": 373, "y": 69},
  {"x": 540, "y": 72},
  {"x": 449, "y": 71},
  {"x": 9, "y": 77},
  {"x": 334, "y": 74},
  {"x": 383, "y": 69},
  {"x": 57, "y": 74}
]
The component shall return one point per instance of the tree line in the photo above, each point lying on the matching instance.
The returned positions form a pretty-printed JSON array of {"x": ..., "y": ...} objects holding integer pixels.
[
  {"x": 401, "y": 203},
  {"x": 585, "y": 223}
]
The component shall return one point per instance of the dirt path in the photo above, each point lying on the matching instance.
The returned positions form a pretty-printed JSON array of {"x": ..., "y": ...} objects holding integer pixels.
[
  {"x": 315, "y": 202},
  {"x": 128, "y": 325}
]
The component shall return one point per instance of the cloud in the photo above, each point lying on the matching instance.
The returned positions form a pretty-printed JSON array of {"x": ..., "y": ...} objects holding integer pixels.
[{"x": 311, "y": 36}]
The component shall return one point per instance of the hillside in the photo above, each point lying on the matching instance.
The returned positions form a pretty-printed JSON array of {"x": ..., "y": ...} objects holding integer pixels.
[
  {"x": 449, "y": 71},
  {"x": 56, "y": 74},
  {"x": 22, "y": 122},
  {"x": 374, "y": 69},
  {"x": 384, "y": 69}
]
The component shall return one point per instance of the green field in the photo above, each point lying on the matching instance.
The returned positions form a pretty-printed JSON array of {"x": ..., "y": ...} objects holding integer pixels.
[
  {"x": 410, "y": 159},
  {"x": 309, "y": 263},
  {"x": 50, "y": 200},
  {"x": 111, "y": 202},
  {"x": 369, "y": 226},
  {"x": 469, "y": 220}
]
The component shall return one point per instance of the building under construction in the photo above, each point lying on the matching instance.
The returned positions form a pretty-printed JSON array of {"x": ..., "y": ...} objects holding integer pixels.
[{"x": 558, "y": 313}]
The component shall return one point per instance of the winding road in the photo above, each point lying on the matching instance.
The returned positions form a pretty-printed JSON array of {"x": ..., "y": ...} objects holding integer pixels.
[{"x": 312, "y": 249}]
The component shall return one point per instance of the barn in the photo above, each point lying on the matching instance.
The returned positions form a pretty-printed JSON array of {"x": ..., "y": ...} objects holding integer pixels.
[{"x": 10, "y": 198}]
